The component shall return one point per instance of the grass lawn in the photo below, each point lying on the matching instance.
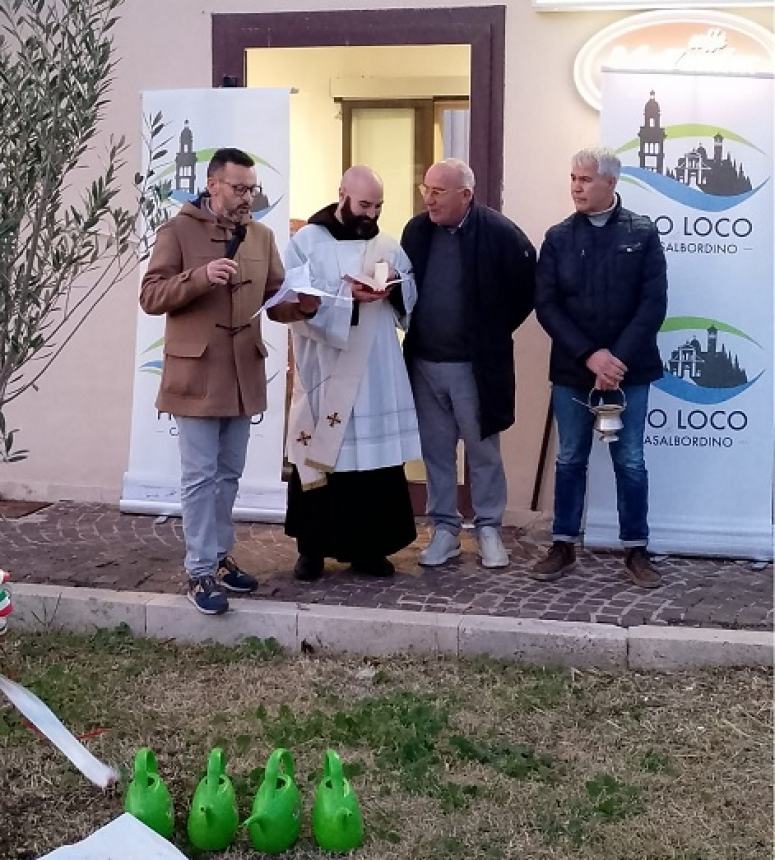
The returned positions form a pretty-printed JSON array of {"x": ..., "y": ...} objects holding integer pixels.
[{"x": 450, "y": 758}]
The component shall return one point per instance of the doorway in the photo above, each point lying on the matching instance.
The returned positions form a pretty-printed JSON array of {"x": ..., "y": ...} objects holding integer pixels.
[
  {"x": 481, "y": 28},
  {"x": 387, "y": 106},
  {"x": 404, "y": 88}
]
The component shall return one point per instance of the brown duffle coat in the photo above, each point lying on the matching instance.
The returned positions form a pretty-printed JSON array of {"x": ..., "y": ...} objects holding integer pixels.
[{"x": 213, "y": 350}]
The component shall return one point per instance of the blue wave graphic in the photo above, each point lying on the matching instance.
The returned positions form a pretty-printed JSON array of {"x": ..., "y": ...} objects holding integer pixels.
[
  {"x": 151, "y": 366},
  {"x": 685, "y": 194},
  {"x": 257, "y": 216},
  {"x": 684, "y": 390},
  {"x": 182, "y": 197}
]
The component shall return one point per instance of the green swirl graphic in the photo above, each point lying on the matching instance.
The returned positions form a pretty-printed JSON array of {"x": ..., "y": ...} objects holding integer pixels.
[
  {"x": 693, "y": 129},
  {"x": 704, "y": 323}
]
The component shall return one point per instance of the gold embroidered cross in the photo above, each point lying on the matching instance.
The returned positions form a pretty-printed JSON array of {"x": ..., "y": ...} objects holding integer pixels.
[
  {"x": 304, "y": 438},
  {"x": 333, "y": 419}
]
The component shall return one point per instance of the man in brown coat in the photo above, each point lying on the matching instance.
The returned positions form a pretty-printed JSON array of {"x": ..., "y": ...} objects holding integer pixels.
[{"x": 211, "y": 270}]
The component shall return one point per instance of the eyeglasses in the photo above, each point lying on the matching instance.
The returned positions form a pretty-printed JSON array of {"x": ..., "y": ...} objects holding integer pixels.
[
  {"x": 433, "y": 193},
  {"x": 242, "y": 190}
]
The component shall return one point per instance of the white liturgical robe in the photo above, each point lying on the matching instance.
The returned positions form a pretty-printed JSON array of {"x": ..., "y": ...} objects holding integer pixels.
[{"x": 382, "y": 427}]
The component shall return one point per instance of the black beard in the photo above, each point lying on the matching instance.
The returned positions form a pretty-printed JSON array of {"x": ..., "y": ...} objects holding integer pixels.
[{"x": 363, "y": 226}]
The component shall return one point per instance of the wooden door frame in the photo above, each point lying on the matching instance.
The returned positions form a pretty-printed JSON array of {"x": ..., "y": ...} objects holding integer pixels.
[
  {"x": 423, "y": 134},
  {"x": 481, "y": 27}
]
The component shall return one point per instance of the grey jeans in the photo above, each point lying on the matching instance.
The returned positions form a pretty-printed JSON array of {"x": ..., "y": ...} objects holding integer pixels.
[
  {"x": 212, "y": 457},
  {"x": 447, "y": 404}
]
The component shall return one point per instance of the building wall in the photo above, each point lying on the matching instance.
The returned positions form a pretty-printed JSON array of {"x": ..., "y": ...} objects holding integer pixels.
[{"x": 77, "y": 423}]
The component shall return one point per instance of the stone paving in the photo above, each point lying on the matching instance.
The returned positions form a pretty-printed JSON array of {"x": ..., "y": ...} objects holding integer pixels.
[{"x": 73, "y": 544}]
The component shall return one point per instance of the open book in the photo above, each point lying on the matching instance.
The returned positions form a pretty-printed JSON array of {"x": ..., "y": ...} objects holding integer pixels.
[{"x": 379, "y": 281}]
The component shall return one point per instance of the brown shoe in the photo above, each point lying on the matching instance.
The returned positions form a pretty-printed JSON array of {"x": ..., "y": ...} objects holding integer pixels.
[
  {"x": 640, "y": 569},
  {"x": 560, "y": 559}
]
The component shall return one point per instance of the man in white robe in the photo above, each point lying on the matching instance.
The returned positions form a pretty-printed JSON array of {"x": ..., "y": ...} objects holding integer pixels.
[{"x": 352, "y": 424}]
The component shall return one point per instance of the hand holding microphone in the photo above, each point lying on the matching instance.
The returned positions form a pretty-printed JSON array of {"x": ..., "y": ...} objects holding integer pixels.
[{"x": 220, "y": 271}]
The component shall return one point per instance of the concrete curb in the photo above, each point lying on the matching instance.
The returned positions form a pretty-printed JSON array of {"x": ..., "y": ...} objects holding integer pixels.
[{"x": 376, "y": 632}]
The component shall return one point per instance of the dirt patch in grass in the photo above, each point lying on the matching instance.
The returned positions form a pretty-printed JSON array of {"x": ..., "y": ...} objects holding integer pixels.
[{"x": 450, "y": 759}]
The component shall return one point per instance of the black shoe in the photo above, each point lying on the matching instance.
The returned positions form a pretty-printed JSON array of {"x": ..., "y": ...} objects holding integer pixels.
[
  {"x": 233, "y": 578},
  {"x": 308, "y": 568},
  {"x": 377, "y": 567}
]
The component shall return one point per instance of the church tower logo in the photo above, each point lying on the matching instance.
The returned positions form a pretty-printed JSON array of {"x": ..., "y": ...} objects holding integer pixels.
[
  {"x": 706, "y": 361},
  {"x": 190, "y": 174},
  {"x": 185, "y": 162},
  {"x": 707, "y": 170}
]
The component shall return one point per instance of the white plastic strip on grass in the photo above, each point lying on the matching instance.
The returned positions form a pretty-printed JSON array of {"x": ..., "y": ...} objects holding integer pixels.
[{"x": 44, "y": 720}]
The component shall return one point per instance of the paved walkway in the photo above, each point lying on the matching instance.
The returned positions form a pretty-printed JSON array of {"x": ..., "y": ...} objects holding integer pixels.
[{"x": 73, "y": 544}]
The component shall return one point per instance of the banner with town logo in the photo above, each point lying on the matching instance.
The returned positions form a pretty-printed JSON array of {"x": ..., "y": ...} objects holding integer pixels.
[
  {"x": 199, "y": 122},
  {"x": 697, "y": 157}
]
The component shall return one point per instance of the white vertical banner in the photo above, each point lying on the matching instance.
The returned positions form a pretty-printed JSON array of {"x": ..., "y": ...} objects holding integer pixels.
[
  {"x": 697, "y": 157},
  {"x": 199, "y": 122}
]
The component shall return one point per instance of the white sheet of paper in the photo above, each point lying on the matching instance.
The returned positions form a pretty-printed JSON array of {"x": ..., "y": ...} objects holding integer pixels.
[
  {"x": 297, "y": 280},
  {"x": 46, "y": 722},
  {"x": 125, "y": 838}
]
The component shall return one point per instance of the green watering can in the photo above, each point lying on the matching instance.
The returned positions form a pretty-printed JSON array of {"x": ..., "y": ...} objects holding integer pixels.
[
  {"x": 336, "y": 816},
  {"x": 213, "y": 819},
  {"x": 147, "y": 797},
  {"x": 274, "y": 822}
]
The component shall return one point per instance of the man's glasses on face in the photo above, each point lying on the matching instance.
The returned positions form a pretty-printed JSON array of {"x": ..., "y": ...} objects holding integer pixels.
[
  {"x": 433, "y": 192},
  {"x": 242, "y": 190}
]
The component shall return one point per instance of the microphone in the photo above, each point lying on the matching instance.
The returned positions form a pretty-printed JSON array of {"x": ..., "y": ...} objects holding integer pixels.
[{"x": 237, "y": 238}]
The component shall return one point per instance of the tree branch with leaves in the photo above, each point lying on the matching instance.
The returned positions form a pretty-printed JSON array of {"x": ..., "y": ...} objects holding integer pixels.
[{"x": 64, "y": 241}]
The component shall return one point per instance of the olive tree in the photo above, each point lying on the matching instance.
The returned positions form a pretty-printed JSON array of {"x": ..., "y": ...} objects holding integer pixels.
[{"x": 64, "y": 240}]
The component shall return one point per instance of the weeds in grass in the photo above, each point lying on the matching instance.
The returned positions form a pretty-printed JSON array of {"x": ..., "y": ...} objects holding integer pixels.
[
  {"x": 611, "y": 799},
  {"x": 656, "y": 762},
  {"x": 607, "y": 800},
  {"x": 518, "y": 761},
  {"x": 250, "y": 648},
  {"x": 401, "y": 729}
]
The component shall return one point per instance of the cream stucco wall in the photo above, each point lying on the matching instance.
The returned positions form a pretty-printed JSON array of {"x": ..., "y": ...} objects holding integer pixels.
[{"x": 77, "y": 423}]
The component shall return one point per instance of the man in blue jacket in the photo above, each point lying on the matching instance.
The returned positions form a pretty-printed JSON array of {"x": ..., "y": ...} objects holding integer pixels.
[
  {"x": 475, "y": 275},
  {"x": 601, "y": 294}
]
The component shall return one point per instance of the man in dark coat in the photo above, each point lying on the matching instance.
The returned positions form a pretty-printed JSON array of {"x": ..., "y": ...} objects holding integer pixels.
[
  {"x": 475, "y": 274},
  {"x": 601, "y": 294}
]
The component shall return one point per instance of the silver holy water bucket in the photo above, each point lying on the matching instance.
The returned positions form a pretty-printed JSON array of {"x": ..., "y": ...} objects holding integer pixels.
[{"x": 608, "y": 416}]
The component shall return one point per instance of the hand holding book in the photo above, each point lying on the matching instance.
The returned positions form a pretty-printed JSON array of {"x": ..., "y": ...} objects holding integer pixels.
[{"x": 371, "y": 288}]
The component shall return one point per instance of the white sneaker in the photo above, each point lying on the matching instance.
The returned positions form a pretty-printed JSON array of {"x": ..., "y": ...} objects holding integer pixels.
[
  {"x": 491, "y": 548},
  {"x": 443, "y": 546}
]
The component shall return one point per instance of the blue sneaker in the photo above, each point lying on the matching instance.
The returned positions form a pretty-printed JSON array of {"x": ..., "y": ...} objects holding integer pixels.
[
  {"x": 232, "y": 578},
  {"x": 207, "y": 596}
]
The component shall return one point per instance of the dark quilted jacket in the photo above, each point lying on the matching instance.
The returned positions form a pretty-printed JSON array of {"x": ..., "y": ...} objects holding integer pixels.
[{"x": 602, "y": 287}]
